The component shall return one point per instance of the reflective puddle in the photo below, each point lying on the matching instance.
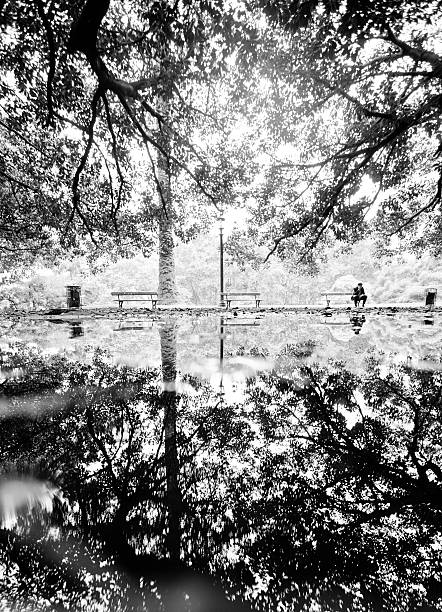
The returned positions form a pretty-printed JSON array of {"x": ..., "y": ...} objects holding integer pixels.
[{"x": 280, "y": 462}]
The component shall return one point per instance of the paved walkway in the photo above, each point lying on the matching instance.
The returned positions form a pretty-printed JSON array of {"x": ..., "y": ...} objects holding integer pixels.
[{"x": 181, "y": 309}]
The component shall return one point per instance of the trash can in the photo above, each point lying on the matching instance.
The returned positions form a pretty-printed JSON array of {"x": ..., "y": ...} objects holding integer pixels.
[
  {"x": 73, "y": 296},
  {"x": 430, "y": 296}
]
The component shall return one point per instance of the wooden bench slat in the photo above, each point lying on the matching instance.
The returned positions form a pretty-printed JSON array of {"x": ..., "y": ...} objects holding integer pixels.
[
  {"x": 241, "y": 293},
  {"x": 134, "y": 293},
  {"x": 330, "y": 293}
]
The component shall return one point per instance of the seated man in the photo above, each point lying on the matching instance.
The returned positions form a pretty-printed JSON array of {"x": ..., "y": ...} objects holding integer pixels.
[
  {"x": 359, "y": 295},
  {"x": 354, "y": 297}
]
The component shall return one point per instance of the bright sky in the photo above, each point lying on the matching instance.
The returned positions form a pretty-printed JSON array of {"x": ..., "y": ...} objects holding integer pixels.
[{"x": 232, "y": 218}]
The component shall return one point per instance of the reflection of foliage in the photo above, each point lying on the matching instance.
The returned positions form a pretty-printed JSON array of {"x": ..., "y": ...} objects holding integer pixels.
[
  {"x": 97, "y": 433},
  {"x": 323, "y": 495},
  {"x": 336, "y": 503},
  {"x": 300, "y": 350},
  {"x": 92, "y": 443},
  {"x": 257, "y": 351}
]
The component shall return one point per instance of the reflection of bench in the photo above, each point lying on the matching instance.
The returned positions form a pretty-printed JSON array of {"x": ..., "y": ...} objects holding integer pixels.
[
  {"x": 238, "y": 322},
  {"x": 327, "y": 293},
  {"x": 129, "y": 328},
  {"x": 235, "y": 296},
  {"x": 135, "y": 296},
  {"x": 336, "y": 323},
  {"x": 122, "y": 326}
]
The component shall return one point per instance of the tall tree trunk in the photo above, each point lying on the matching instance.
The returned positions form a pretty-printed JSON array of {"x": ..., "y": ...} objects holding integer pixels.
[
  {"x": 169, "y": 398},
  {"x": 167, "y": 293}
]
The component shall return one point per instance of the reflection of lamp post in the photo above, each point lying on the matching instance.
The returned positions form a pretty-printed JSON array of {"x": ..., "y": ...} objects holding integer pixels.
[
  {"x": 221, "y": 358},
  {"x": 221, "y": 262}
]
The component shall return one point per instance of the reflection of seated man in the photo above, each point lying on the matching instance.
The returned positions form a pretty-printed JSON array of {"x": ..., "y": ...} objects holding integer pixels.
[
  {"x": 359, "y": 295},
  {"x": 357, "y": 323}
]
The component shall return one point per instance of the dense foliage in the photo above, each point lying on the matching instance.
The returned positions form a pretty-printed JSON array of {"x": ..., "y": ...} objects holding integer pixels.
[
  {"x": 352, "y": 90},
  {"x": 115, "y": 78},
  {"x": 321, "y": 94}
]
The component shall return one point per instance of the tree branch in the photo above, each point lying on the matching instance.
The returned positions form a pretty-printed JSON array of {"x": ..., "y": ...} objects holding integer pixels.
[
  {"x": 421, "y": 55},
  {"x": 83, "y": 38},
  {"x": 80, "y": 168},
  {"x": 52, "y": 60},
  {"x": 114, "y": 149},
  {"x": 434, "y": 200}
]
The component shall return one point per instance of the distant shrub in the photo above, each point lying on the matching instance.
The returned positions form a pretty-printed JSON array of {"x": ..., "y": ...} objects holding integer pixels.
[{"x": 413, "y": 295}]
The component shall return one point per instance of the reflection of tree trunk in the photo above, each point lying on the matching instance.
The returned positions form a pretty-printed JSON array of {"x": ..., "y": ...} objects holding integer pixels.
[
  {"x": 169, "y": 399},
  {"x": 167, "y": 293},
  {"x": 195, "y": 295}
]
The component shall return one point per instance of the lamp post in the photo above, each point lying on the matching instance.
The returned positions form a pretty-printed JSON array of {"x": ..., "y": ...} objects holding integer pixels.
[{"x": 221, "y": 262}]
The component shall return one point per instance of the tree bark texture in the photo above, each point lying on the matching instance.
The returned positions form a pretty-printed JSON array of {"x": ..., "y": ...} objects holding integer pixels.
[{"x": 167, "y": 293}]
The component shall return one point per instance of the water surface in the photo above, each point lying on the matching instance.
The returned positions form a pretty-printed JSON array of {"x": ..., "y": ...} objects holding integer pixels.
[{"x": 280, "y": 462}]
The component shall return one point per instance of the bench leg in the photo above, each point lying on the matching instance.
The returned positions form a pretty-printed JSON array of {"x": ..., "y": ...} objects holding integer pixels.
[
  {"x": 258, "y": 302},
  {"x": 120, "y": 303},
  {"x": 154, "y": 304},
  {"x": 328, "y": 303},
  {"x": 228, "y": 304}
]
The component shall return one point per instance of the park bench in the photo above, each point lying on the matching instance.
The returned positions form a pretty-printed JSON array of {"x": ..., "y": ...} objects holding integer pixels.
[
  {"x": 136, "y": 296},
  {"x": 328, "y": 293},
  {"x": 235, "y": 296}
]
